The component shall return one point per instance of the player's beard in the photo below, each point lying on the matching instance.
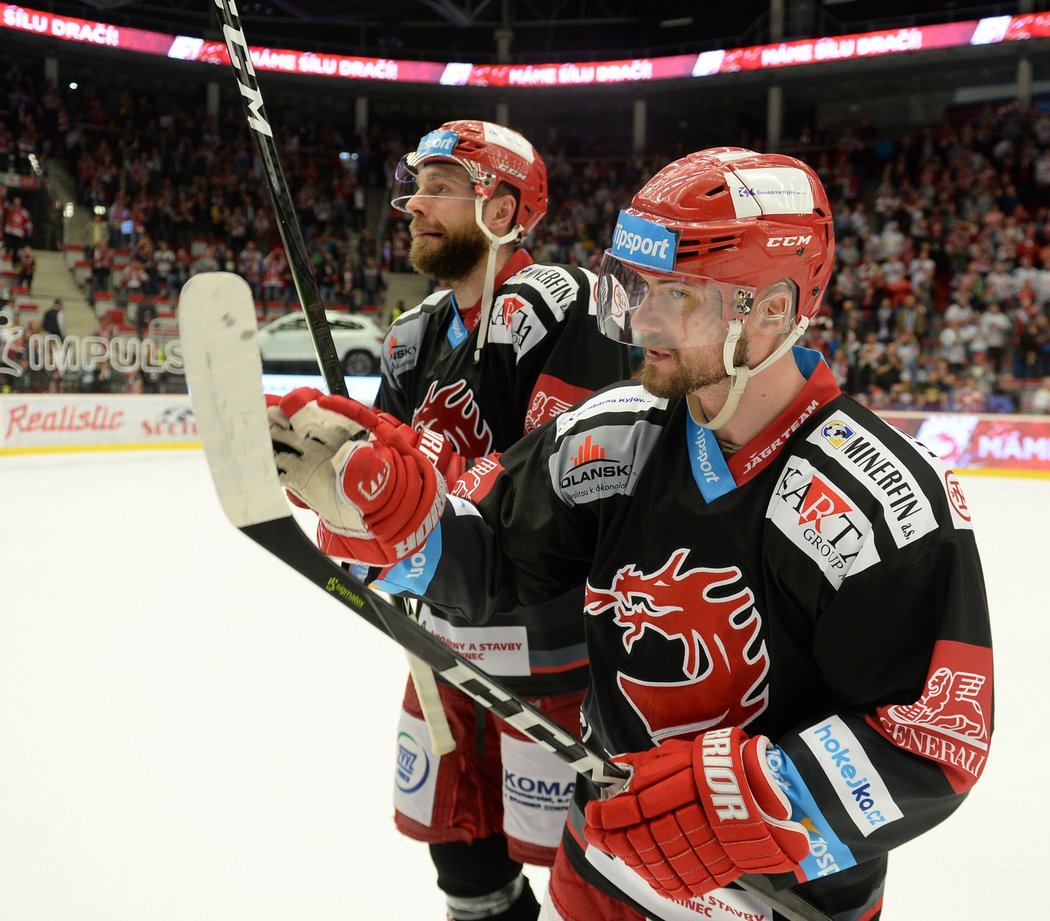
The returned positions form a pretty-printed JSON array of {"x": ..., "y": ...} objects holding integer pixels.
[
  {"x": 701, "y": 368},
  {"x": 454, "y": 257}
]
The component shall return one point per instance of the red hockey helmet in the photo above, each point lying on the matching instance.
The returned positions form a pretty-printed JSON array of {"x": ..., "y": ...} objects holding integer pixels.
[
  {"x": 491, "y": 154},
  {"x": 729, "y": 222}
]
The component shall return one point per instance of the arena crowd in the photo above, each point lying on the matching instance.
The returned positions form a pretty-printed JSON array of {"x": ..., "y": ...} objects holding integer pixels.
[{"x": 940, "y": 301}]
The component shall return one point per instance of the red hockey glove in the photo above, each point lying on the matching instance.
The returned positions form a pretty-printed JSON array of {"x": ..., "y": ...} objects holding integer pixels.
[
  {"x": 696, "y": 815},
  {"x": 361, "y": 471},
  {"x": 358, "y": 419}
]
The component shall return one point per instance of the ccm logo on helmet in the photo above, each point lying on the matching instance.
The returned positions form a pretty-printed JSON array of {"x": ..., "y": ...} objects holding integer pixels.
[{"x": 789, "y": 241}]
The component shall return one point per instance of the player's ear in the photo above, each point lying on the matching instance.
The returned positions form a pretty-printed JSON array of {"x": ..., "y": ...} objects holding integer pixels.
[
  {"x": 500, "y": 211},
  {"x": 774, "y": 310}
]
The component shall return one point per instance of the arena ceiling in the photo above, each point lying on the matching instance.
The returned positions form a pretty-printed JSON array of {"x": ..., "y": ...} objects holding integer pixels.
[{"x": 533, "y": 30}]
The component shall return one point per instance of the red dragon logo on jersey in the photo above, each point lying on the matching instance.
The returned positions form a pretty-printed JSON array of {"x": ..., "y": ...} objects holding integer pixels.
[
  {"x": 453, "y": 411},
  {"x": 723, "y": 664}
]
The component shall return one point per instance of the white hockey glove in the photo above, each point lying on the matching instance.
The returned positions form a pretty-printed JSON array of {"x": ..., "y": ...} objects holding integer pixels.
[{"x": 366, "y": 474}]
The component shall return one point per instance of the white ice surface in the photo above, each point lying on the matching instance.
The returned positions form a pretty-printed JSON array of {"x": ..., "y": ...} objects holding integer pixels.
[{"x": 189, "y": 731}]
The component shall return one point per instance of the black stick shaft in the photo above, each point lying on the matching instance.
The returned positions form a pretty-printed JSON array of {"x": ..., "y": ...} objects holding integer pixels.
[{"x": 287, "y": 224}]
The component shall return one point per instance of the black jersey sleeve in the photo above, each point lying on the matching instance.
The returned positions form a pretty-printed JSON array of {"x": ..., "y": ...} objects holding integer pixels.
[{"x": 902, "y": 653}]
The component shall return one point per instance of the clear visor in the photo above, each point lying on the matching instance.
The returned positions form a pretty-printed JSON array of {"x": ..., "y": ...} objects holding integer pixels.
[
  {"x": 452, "y": 180},
  {"x": 666, "y": 311}
]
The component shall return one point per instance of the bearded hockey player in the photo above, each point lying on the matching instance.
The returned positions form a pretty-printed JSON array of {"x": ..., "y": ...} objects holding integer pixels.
[
  {"x": 473, "y": 368},
  {"x": 786, "y": 619}
]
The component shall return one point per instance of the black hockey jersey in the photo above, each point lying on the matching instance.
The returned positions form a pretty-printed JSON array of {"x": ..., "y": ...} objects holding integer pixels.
[
  {"x": 822, "y": 586},
  {"x": 543, "y": 353}
]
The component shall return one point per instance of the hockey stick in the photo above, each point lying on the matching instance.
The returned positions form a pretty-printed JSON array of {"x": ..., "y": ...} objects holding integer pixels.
[
  {"x": 441, "y": 740},
  {"x": 224, "y": 373}
]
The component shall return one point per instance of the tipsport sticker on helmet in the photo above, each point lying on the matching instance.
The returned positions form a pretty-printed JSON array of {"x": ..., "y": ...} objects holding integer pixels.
[
  {"x": 770, "y": 190},
  {"x": 509, "y": 140},
  {"x": 644, "y": 243},
  {"x": 437, "y": 144}
]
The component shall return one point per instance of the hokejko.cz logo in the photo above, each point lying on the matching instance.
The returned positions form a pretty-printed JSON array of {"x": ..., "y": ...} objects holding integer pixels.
[{"x": 859, "y": 787}]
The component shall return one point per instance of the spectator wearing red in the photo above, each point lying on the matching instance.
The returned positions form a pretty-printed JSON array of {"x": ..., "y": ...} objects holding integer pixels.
[{"x": 18, "y": 227}]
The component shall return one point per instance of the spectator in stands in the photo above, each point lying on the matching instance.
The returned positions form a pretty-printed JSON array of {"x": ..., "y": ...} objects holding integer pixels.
[
  {"x": 1040, "y": 402},
  {"x": 207, "y": 261},
  {"x": 1031, "y": 351},
  {"x": 995, "y": 326},
  {"x": 101, "y": 268},
  {"x": 273, "y": 271},
  {"x": 888, "y": 371},
  {"x": 952, "y": 343},
  {"x": 164, "y": 269},
  {"x": 26, "y": 267},
  {"x": 183, "y": 267},
  {"x": 99, "y": 230},
  {"x": 97, "y": 377},
  {"x": 373, "y": 282},
  {"x": 327, "y": 273},
  {"x": 135, "y": 281},
  {"x": 250, "y": 267},
  {"x": 18, "y": 227},
  {"x": 400, "y": 240},
  {"x": 228, "y": 262},
  {"x": 54, "y": 321},
  {"x": 146, "y": 314},
  {"x": 932, "y": 394}
]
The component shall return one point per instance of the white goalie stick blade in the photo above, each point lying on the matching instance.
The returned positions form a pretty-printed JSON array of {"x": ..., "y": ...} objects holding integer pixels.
[
  {"x": 217, "y": 328},
  {"x": 224, "y": 372}
]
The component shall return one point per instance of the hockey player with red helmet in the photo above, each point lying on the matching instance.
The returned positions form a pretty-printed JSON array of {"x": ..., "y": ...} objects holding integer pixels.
[
  {"x": 508, "y": 345},
  {"x": 786, "y": 620}
]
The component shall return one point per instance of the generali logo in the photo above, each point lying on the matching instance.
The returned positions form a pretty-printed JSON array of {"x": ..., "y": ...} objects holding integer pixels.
[{"x": 949, "y": 723}]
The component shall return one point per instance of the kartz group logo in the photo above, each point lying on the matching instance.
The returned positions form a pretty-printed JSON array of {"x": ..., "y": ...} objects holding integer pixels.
[
  {"x": 819, "y": 520},
  {"x": 711, "y": 614},
  {"x": 513, "y": 322}
]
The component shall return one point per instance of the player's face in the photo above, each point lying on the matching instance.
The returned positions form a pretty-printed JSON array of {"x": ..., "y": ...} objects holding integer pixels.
[
  {"x": 671, "y": 373},
  {"x": 675, "y": 311},
  {"x": 446, "y": 241}
]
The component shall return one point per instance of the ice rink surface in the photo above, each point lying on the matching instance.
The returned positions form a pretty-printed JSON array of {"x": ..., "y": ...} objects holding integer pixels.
[{"x": 190, "y": 731}]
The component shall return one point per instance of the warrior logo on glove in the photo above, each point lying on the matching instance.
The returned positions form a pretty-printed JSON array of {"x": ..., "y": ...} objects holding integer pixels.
[{"x": 697, "y": 815}]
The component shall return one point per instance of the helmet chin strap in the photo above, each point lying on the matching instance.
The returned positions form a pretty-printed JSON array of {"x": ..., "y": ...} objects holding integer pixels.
[
  {"x": 738, "y": 377},
  {"x": 515, "y": 233}
]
